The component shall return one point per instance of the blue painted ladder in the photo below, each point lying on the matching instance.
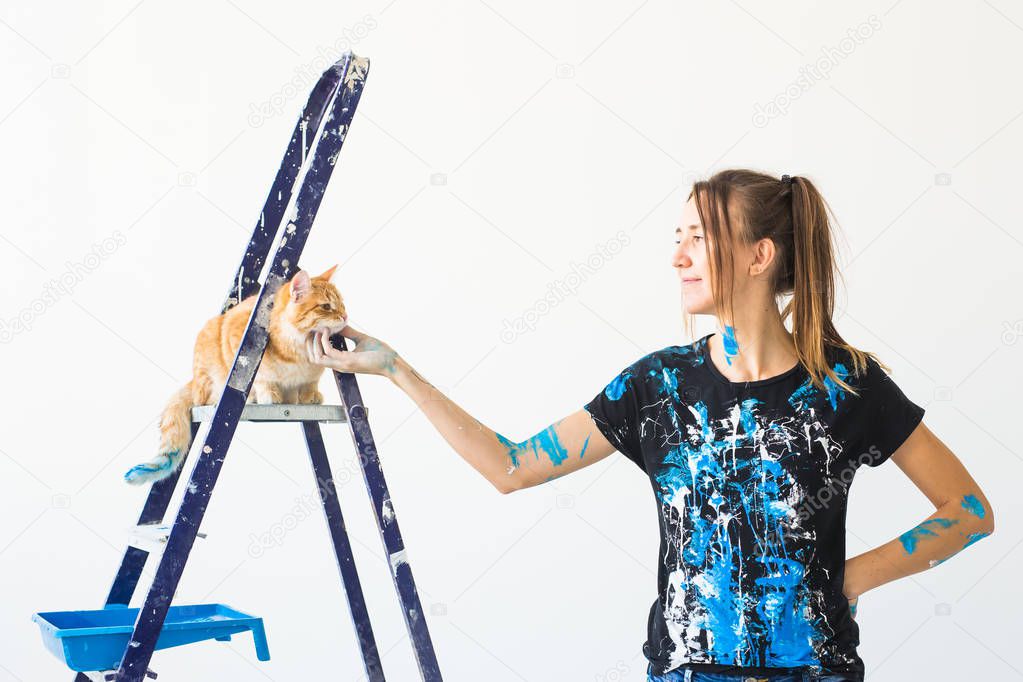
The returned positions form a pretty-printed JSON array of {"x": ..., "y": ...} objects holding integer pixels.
[{"x": 310, "y": 158}]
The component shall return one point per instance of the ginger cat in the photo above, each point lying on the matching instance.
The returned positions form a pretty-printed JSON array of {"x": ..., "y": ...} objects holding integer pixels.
[{"x": 285, "y": 374}]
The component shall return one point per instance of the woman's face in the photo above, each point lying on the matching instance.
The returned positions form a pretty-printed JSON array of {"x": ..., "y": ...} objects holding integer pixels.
[{"x": 690, "y": 259}]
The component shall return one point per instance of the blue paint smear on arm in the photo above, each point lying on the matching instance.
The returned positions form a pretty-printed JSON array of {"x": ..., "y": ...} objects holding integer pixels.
[
  {"x": 546, "y": 441},
  {"x": 512, "y": 447},
  {"x": 974, "y": 506},
  {"x": 910, "y": 538},
  {"x": 970, "y": 539},
  {"x": 585, "y": 443},
  {"x": 974, "y": 537}
]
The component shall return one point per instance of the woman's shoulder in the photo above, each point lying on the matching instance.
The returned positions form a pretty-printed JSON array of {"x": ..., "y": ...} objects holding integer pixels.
[
  {"x": 674, "y": 357},
  {"x": 659, "y": 370},
  {"x": 843, "y": 360}
]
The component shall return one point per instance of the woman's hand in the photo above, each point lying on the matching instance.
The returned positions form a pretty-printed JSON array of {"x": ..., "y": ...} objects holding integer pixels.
[
  {"x": 852, "y": 595},
  {"x": 369, "y": 356}
]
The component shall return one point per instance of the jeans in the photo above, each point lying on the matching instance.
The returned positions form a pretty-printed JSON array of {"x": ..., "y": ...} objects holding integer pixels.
[{"x": 693, "y": 676}]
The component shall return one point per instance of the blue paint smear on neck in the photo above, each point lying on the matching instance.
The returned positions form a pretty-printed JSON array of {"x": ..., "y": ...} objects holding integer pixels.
[{"x": 730, "y": 343}]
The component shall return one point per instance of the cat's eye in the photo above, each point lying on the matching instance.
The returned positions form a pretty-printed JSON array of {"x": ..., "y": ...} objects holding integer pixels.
[{"x": 327, "y": 306}]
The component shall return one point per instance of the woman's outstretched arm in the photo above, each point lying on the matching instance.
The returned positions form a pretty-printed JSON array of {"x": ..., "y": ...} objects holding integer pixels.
[
  {"x": 567, "y": 445},
  {"x": 962, "y": 516}
]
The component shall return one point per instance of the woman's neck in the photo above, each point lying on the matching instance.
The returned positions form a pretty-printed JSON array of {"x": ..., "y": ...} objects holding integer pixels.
[{"x": 751, "y": 351}]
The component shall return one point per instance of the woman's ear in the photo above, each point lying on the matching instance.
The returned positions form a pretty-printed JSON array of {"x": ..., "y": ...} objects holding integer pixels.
[
  {"x": 300, "y": 285},
  {"x": 328, "y": 274}
]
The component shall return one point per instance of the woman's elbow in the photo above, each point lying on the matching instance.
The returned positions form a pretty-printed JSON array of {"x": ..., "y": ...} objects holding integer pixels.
[
  {"x": 503, "y": 487},
  {"x": 508, "y": 483},
  {"x": 988, "y": 522},
  {"x": 980, "y": 513}
]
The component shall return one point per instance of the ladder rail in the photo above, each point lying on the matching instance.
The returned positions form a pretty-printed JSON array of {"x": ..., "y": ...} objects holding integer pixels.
[
  {"x": 244, "y": 284},
  {"x": 133, "y": 666},
  {"x": 343, "y": 551},
  {"x": 246, "y": 279},
  {"x": 133, "y": 562},
  {"x": 306, "y": 169},
  {"x": 387, "y": 521}
]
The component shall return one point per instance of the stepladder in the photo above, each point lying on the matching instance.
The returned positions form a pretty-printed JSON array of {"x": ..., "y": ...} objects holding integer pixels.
[{"x": 117, "y": 642}]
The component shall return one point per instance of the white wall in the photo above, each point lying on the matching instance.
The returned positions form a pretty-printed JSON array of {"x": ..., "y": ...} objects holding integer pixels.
[{"x": 555, "y": 127}]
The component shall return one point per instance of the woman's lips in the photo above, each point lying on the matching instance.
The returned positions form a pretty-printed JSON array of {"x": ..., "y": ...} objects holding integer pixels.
[{"x": 691, "y": 280}]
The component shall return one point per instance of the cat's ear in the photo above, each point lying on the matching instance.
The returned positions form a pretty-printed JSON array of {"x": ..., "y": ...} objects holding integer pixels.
[
  {"x": 328, "y": 274},
  {"x": 300, "y": 285}
]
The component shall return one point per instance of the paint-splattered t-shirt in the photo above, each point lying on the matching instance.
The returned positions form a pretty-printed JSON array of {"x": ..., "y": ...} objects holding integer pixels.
[{"x": 751, "y": 482}]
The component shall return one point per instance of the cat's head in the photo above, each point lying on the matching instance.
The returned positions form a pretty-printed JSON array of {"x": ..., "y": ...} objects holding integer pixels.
[{"x": 314, "y": 303}]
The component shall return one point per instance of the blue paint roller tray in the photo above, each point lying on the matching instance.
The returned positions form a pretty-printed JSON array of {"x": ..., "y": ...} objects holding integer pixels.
[{"x": 96, "y": 640}]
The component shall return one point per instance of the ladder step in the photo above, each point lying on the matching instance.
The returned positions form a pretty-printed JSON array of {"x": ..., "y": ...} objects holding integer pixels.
[
  {"x": 152, "y": 537},
  {"x": 282, "y": 412},
  {"x": 95, "y": 640}
]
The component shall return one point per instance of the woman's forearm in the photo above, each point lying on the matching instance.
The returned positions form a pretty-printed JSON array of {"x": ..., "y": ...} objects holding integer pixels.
[
  {"x": 953, "y": 527},
  {"x": 476, "y": 443}
]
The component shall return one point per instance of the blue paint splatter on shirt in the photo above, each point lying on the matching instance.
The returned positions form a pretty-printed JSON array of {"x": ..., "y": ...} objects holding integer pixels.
[{"x": 616, "y": 389}]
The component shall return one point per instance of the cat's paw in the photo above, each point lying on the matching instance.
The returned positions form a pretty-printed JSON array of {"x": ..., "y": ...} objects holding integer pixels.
[
  {"x": 266, "y": 395},
  {"x": 311, "y": 398}
]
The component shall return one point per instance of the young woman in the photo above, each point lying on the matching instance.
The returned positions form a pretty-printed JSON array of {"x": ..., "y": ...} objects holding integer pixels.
[{"x": 750, "y": 439}]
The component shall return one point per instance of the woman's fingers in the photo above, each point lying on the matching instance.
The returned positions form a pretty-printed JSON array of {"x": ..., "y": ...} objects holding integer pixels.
[
  {"x": 354, "y": 334},
  {"x": 317, "y": 350},
  {"x": 327, "y": 348},
  {"x": 310, "y": 340},
  {"x": 320, "y": 351},
  {"x": 314, "y": 348}
]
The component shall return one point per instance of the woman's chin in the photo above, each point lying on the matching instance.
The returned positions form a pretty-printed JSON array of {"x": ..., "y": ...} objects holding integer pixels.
[{"x": 694, "y": 308}]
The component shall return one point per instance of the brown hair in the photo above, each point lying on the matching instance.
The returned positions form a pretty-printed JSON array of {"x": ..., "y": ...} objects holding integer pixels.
[{"x": 747, "y": 206}]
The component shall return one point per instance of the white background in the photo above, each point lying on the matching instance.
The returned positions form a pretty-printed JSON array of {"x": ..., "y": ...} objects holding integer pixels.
[{"x": 496, "y": 148}]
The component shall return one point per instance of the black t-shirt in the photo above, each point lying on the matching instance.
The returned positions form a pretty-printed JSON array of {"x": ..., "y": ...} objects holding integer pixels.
[{"x": 751, "y": 482}]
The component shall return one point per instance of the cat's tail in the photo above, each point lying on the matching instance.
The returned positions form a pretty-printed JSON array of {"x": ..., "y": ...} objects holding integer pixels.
[{"x": 175, "y": 437}]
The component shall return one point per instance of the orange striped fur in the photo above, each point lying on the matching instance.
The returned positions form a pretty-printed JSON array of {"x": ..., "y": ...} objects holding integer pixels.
[{"x": 285, "y": 375}]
